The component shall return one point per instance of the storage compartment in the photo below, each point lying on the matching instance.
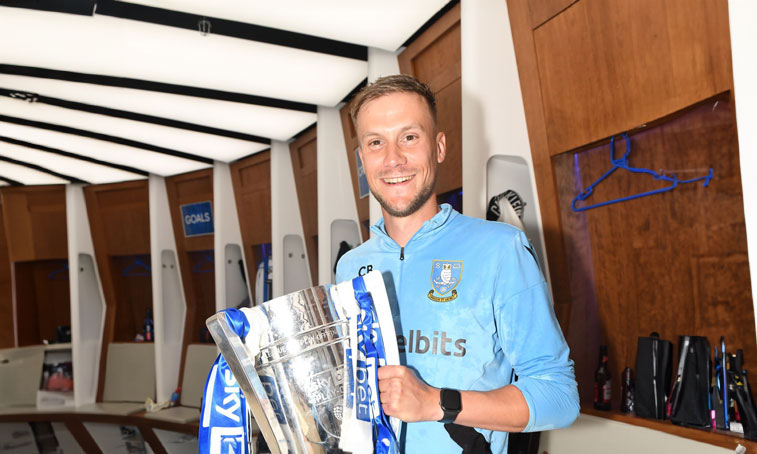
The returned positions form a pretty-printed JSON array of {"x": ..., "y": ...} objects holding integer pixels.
[
  {"x": 673, "y": 262},
  {"x": 57, "y": 384},
  {"x": 132, "y": 282},
  {"x": 345, "y": 235},
  {"x": 43, "y": 305}
]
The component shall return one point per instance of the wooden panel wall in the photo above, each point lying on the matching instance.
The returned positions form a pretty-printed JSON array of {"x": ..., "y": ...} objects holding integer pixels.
[
  {"x": 119, "y": 217},
  {"x": 351, "y": 144},
  {"x": 195, "y": 253},
  {"x": 434, "y": 58},
  {"x": 599, "y": 68},
  {"x": 34, "y": 219},
  {"x": 7, "y": 327},
  {"x": 35, "y": 222},
  {"x": 612, "y": 66},
  {"x": 675, "y": 262},
  {"x": 544, "y": 10},
  {"x": 251, "y": 178},
  {"x": 304, "y": 152},
  {"x": 43, "y": 300}
]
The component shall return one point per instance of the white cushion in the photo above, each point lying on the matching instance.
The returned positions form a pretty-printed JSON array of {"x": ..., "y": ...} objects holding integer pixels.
[
  {"x": 20, "y": 375},
  {"x": 130, "y": 372},
  {"x": 199, "y": 360}
]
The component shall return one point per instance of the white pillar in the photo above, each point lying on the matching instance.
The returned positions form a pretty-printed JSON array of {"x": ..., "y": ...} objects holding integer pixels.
[
  {"x": 743, "y": 20},
  {"x": 493, "y": 110},
  {"x": 380, "y": 63},
  {"x": 285, "y": 217},
  {"x": 335, "y": 196},
  {"x": 169, "y": 305},
  {"x": 231, "y": 285},
  {"x": 87, "y": 302}
]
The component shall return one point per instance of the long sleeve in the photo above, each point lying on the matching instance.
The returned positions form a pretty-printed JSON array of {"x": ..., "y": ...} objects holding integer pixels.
[{"x": 532, "y": 340}]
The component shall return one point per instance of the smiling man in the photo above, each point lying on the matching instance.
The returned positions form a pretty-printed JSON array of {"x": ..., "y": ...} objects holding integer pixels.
[{"x": 472, "y": 308}]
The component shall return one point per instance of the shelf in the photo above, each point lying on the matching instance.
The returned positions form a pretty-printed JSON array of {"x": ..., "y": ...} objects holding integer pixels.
[
  {"x": 722, "y": 438},
  {"x": 61, "y": 346}
]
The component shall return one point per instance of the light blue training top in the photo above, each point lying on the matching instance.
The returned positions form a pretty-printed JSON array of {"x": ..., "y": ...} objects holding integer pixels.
[{"x": 472, "y": 309}]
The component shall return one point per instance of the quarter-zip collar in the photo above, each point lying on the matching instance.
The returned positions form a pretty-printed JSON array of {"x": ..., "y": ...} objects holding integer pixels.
[{"x": 440, "y": 219}]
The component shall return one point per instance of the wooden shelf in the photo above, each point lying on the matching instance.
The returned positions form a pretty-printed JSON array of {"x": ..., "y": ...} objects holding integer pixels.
[
  {"x": 722, "y": 438},
  {"x": 62, "y": 346}
]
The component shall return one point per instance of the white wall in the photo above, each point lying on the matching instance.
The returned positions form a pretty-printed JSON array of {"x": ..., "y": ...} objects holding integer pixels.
[
  {"x": 743, "y": 19},
  {"x": 335, "y": 196},
  {"x": 87, "y": 302},
  {"x": 594, "y": 435},
  {"x": 231, "y": 289},
  {"x": 380, "y": 63},
  {"x": 494, "y": 121},
  {"x": 169, "y": 305},
  {"x": 285, "y": 212}
]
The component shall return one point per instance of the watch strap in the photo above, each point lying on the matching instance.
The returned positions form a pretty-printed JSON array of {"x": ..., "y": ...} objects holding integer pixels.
[{"x": 446, "y": 396}]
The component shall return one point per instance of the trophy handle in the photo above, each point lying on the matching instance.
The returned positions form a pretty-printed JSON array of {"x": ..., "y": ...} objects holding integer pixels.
[{"x": 242, "y": 365}]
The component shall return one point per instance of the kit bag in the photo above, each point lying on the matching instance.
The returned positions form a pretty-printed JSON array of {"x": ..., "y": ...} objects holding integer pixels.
[
  {"x": 691, "y": 388},
  {"x": 653, "y": 372}
]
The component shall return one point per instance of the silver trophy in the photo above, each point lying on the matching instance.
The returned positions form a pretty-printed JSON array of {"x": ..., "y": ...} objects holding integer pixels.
[{"x": 292, "y": 370}]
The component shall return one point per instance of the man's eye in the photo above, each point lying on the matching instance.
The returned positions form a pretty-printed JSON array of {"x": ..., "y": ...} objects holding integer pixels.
[
  {"x": 374, "y": 143},
  {"x": 411, "y": 137}
]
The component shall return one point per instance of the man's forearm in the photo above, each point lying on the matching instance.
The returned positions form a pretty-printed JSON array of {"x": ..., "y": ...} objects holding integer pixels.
[
  {"x": 504, "y": 409},
  {"x": 405, "y": 396}
]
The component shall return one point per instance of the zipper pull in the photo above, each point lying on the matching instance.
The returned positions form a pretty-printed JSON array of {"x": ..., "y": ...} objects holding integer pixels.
[{"x": 402, "y": 253}]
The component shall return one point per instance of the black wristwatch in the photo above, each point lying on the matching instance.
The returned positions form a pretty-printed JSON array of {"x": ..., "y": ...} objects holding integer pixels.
[{"x": 451, "y": 403}]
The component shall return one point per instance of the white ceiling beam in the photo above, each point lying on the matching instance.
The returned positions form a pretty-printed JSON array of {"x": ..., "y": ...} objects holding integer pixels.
[
  {"x": 157, "y": 163},
  {"x": 83, "y": 170},
  {"x": 271, "y": 122},
  {"x": 385, "y": 24},
  {"x": 199, "y": 144},
  {"x": 126, "y": 48}
]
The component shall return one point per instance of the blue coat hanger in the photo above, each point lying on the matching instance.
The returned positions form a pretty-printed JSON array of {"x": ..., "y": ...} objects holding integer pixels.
[
  {"x": 200, "y": 267},
  {"x": 622, "y": 163},
  {"x": 58, "y": 274},
  {"x": 134, "y": 268}
]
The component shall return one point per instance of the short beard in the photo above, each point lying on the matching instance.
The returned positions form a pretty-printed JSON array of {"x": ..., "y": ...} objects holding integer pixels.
[{"x": 415, "y": 204}]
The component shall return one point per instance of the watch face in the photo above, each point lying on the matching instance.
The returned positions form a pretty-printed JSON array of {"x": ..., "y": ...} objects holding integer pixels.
[{"x": 451, "y": 400}]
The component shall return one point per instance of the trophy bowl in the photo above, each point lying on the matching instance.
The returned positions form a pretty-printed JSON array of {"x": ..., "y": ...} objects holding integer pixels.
[{"x": 291, "y": 368}]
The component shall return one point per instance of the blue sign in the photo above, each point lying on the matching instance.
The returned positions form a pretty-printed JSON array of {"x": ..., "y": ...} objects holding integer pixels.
[
  {"x": 197, "y": 218},
  {"x": 362, "y": 180}
]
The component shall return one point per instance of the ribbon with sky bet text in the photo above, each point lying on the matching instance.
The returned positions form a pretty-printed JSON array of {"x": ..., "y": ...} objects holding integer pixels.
[
  {"x": 223, "y": 427},
  {"x": 370, "y": 356}
]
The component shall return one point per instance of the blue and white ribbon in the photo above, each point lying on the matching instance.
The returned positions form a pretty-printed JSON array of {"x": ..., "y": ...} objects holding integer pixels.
[
  {"x": 370, "y": 356},
  {"x": 224, "y": 410}
]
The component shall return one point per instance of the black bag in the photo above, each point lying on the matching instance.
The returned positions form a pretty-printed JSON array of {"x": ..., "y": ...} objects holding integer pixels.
[
  {"x": 654, "y": 358},
  {"x": 691, "y": 390}
]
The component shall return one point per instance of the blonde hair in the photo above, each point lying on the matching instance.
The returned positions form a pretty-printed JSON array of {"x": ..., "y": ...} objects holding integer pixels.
[{"x": 399, "y": 83}]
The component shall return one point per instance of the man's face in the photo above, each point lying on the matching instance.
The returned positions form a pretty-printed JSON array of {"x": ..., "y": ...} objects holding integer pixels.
[{"x": 400, "y": 150}]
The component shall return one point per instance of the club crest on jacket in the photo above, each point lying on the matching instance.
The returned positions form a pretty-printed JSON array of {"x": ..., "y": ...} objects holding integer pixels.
[{"x": 445, "y": 275}]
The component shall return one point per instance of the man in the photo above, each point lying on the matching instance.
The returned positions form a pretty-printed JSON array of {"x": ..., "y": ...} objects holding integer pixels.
[{"x": 472, "y": 308}]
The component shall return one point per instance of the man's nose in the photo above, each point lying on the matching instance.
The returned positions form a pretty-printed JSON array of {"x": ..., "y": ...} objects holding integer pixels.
[{"x": 394, "y": 156}]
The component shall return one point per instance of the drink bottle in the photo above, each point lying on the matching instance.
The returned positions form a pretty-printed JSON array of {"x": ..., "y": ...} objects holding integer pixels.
[
  {"x": 602, "y": 384},
  {"x": 149, "y": 326},
  {"x": 627, "y": 399}
]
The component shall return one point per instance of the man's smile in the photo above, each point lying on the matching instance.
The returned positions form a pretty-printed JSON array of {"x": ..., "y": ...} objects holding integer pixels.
[{"x": 397, "y": 180}]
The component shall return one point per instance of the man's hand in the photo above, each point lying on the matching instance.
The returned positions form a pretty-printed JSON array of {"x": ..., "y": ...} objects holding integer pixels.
[{"x": 404, "y": 396}]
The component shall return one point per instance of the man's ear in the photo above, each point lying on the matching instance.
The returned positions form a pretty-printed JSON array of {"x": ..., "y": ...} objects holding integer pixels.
[{"x": 441, "y": 147}]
